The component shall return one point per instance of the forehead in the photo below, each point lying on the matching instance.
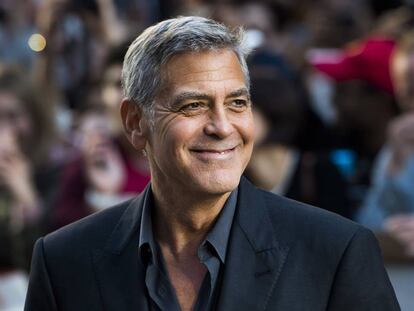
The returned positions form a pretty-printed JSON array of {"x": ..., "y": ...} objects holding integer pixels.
[{"x": 206, "y": 69}]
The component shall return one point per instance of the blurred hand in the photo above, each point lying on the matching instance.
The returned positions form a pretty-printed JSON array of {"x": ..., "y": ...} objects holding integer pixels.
[
  {"x": 401, "y": 140},
  {"x": 16, "y": 178},
  {"x": 401, "y": 227}
]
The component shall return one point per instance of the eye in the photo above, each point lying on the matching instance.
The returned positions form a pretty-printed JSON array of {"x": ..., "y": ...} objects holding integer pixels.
[
  {"x": 191, "y": 106},
  {"x": 239, "y": 104}
]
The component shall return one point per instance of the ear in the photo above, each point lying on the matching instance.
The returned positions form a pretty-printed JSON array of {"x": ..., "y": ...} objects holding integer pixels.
[{"x": 134, "y": 123}]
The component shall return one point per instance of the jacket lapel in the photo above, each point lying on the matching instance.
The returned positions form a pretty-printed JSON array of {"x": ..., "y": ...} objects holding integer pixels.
[
  {"x": 118, "y": 268},
  {"x": 254, "y": 259}
]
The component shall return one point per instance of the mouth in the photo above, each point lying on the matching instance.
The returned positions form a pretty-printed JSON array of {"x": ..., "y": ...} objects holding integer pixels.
[
  {"x": 214, "y": 150},
  {"x": 207, "y": 154}
]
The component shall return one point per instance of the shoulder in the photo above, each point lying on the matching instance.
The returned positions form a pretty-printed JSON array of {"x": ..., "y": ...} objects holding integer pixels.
[
  {"x": 90, "y": 232},
  {"x": 303, "y": 218},
  {"x": 298, "y": 223},
  {"x": 320, "y": 236}
]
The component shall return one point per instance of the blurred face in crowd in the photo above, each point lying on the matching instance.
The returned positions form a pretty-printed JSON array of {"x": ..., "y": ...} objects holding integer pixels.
[
  {"x": 14, "y": 118},
  {"x": 403, "y": 78},
  {"x": 93, "y": 131},
  {"x": 201, "y": 136},
  {"x": 112, "y": 94}
]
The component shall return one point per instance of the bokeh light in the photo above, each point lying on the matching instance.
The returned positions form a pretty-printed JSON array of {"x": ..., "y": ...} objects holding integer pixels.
[{"x": 37, "y": 42}]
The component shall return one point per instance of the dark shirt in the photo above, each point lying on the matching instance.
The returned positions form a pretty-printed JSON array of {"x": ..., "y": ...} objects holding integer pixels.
[{"x": 211, "y": 252}]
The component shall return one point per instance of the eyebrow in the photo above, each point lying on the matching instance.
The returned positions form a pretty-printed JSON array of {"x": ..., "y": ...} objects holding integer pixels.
[
  {"x": 240, "y": 92},
  {"x": 188, "y": 95},
  {"x": 204, "y": 96}
]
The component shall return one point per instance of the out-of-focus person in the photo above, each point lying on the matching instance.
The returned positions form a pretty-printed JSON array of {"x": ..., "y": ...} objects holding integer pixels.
[
  {"x": 75, "y": 49},
  {"x": 291, "y": 27},
  {"x": 27, "y": 176},
  {"x": 107, "y": 169},
  {"x": 352, "y": 90},
  {"x": 390, "y": 203},
  {"x": 282, "y": 161}
]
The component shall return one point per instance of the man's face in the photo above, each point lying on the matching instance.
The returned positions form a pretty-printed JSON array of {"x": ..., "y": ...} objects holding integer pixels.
[{"x": 202, "y": 134}]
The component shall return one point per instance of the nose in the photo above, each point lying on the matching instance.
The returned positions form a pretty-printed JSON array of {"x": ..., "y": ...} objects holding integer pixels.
[{"x": 219, "y": 124}]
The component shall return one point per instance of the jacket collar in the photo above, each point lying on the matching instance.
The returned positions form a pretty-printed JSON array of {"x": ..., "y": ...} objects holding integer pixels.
[
  {"x": 119, "y": 271},
  {"x": 128, "y": 225},
  {"x": 255, "y": 256}
]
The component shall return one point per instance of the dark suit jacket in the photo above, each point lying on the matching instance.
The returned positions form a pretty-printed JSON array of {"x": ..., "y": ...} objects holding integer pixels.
[{"x": 282, "y": 255}]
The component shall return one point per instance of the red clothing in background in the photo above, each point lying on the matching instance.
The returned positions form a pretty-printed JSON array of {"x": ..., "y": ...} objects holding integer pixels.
[{"x": 71, "y": 204}]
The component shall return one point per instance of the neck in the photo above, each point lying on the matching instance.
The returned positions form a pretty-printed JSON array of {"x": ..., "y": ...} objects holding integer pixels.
[{"x": 182, "y": 220}]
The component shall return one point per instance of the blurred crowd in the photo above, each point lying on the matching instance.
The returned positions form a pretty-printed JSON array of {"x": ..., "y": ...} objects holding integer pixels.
[{"x": 332, "y": 91}]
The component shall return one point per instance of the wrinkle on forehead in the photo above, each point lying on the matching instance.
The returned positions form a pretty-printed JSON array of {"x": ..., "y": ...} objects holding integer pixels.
[
  {"x": 210, "y": 75},
  {"x": 200, "y": 66}
]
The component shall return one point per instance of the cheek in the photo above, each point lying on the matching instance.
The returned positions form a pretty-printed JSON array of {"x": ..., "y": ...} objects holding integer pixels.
[
  {"x": 176, "y": 136},
  {"x": 246, "y": 127}
]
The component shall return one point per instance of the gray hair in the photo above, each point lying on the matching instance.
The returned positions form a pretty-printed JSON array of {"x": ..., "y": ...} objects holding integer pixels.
[{"x": 141, "y": 72}]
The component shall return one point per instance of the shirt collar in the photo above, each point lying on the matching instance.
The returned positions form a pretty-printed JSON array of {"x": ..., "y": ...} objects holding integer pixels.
[
  {"x": 217, "y": 237},
  {"x": 146, "y": 245}
]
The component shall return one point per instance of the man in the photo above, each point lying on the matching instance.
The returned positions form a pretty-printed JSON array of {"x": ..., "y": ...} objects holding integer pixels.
[{"x": 200, "y": 237}]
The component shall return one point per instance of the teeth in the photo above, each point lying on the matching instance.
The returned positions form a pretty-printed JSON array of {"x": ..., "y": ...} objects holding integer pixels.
[{"x": 212, "y": 151}]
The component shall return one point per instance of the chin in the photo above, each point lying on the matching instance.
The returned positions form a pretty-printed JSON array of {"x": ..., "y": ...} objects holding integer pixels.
[{"x": 218, "y": 183}]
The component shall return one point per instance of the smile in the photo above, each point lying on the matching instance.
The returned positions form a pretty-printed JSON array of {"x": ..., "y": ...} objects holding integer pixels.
[{"x": 213, "y": 154}]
